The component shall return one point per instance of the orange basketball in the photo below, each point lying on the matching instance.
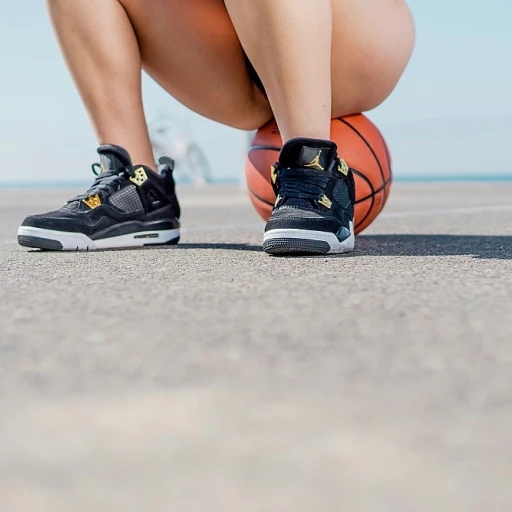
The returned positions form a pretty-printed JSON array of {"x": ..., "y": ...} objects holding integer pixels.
[{"x": 361, "y": 145}]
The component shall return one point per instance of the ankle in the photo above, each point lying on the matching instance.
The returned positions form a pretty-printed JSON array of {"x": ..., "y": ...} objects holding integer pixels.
[{"x": 139, "y": 156}]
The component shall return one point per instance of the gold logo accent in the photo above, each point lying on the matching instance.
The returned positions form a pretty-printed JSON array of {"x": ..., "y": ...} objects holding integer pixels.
[
  {"x": 325, "y": 201},
  {"x": 92, "y": 201},
  {"x": 140, "y": 177},
  {"x": 343, "y": 167},
  {"x": 278, "y": 200},
  {"x": 316, "y": 162},
  {"x": 273, "y": 174}
]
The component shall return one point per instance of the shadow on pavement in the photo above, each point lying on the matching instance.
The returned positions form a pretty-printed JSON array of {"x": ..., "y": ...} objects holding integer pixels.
[
  {"x": 228, "y": 247},
  {"x": 484, "y": 247}
]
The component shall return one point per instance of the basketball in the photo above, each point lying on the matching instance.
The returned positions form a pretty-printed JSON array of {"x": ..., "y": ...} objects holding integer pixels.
[{"x": 361, "y": 145}]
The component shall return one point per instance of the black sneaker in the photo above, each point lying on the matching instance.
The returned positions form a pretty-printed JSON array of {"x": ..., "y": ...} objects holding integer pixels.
[
  {"x": 314, "y": 209},
  {"x": 127, "y": 206}
]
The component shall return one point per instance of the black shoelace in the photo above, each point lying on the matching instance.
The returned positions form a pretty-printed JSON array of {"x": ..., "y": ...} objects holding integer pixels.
[
  {"x": 105, "y": 182},
  {"x": 302, "y": 183}
]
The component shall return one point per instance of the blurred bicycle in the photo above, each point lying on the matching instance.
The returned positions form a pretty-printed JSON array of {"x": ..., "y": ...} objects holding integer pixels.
[{"x": 190, "y": 162}]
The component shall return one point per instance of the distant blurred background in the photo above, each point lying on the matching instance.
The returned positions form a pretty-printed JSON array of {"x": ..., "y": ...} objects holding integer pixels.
[{"x": 451, "y": 115}]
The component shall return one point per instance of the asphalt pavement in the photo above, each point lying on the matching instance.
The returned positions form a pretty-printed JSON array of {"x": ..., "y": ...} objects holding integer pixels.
[{"x": 212, "y": 377}]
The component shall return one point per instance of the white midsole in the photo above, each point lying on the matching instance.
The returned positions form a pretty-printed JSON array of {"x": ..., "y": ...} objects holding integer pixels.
[
  {"x": 336, "y": 246},
  {"x": 81, "y": 242}
]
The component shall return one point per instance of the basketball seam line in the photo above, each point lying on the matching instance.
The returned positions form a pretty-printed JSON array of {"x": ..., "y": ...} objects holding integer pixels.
[
  {"x": 373, "y": 153},
  {"x": 372, "y": 195},
  {"x": 270, "y": 148},
  {"x": 260, "y": 198}
]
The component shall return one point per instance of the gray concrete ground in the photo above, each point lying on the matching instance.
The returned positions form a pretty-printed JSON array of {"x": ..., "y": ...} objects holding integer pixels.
[{"x": 213, "y": 377}]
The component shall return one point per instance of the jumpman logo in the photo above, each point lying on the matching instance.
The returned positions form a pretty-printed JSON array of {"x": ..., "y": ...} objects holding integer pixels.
[{"x": 316, "y": 162}]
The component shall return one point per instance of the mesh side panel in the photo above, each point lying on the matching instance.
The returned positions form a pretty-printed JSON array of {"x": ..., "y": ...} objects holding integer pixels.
[
  {"x": 296, "y": 204},
  {"x": 341, "y": 194},
  {"x": 127, "y": 199},
  {"x": 306, "y": 214}
]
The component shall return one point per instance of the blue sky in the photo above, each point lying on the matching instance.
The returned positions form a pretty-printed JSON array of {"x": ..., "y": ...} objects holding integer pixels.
[{"x": 451, "y": 114}]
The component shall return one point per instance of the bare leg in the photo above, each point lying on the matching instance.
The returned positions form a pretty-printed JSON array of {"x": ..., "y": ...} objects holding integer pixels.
[
  {"x": 191, "y": 48},
  {"x": 289, "y": 43},
  {"x": 372, "y": 44},
  {"x": 107, "y": 42},
  {"x": 102, "y": 53}
]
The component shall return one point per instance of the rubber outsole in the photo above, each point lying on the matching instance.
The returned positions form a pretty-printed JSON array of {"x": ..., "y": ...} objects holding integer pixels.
[
  {"x": 35, "y": 242},
  {"x": 308, "y": 242},
  {"x": 50, "y": 240},
  {"x": 295, "y": 246}
]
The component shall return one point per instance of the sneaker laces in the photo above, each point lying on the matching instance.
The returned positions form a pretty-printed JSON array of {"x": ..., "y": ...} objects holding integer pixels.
[
  {"x": 302, "y": 183},
  {"x": 105, "y": 182}
]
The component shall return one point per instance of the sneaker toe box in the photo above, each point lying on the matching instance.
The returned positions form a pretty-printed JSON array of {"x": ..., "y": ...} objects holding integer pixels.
[{"x": 52, "y": 220}]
